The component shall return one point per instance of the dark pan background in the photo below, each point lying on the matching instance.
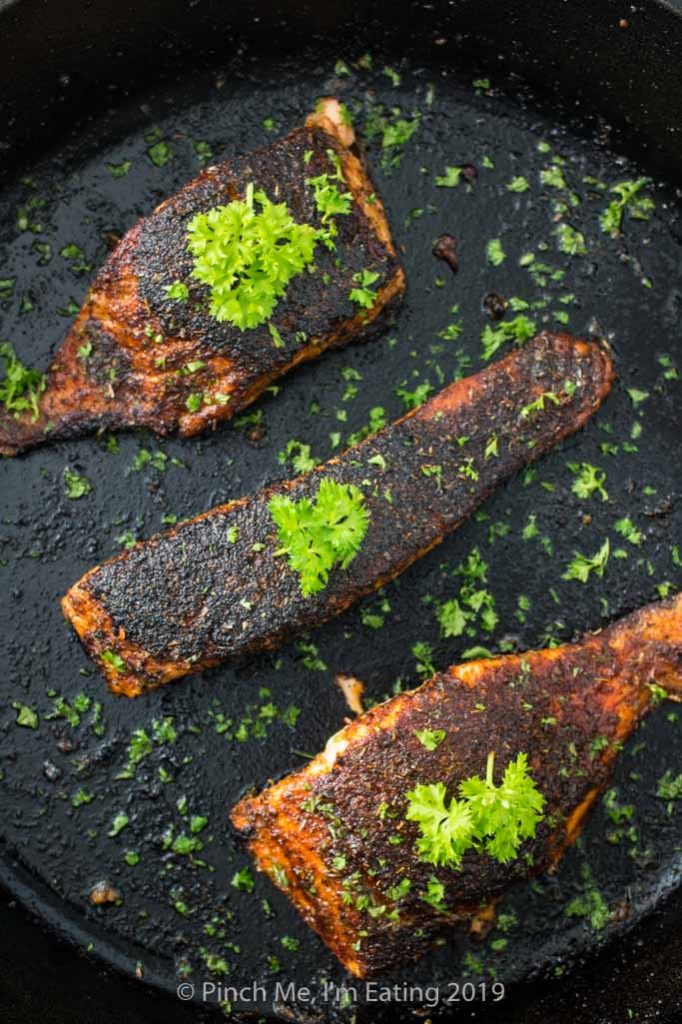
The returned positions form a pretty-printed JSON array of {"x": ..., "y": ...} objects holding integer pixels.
[{"x": 54, "y": 852}]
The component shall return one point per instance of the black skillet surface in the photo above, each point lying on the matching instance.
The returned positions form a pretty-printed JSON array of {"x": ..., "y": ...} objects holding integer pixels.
[{"x": 181, "y": 917}]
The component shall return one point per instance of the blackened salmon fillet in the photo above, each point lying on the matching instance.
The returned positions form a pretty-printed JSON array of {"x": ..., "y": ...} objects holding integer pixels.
[
  {"x": 217, "y": 586},
  {"x": 334, "y": 835},
  {"x": 136, "y": 357}
]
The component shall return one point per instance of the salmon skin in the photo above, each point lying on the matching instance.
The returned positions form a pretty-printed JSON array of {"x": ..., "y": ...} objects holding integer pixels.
[
  {"x": 135, "y": 357},
  {"x": 334, "y": 836},
  {"x": 215, "y": 587}
]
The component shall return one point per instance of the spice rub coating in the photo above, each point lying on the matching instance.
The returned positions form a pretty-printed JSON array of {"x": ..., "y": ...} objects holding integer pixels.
[
  {"x": 334, "y": 837},
  {"x": 216, "y": 587},
  {"x": 134, "y": 355}
]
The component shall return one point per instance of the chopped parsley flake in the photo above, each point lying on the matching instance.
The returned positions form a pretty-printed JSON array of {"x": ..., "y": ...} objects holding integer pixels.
[
  {"x": 637, "y": 396},
  {"x": 77, "y": 486},
  {"x": 363, "y": 295},
  {"x": 627, "y": 529},
  {"x": 450, "y": 179},
  {"x": 21, "y": 386},
  {"x": 194, "y": 401},
  {"x": 539, "y": 404},
  {"x": 299, "y": 455},
  {"x": 518, "y": 184},
  {"x": 413, "y": 399},
  {"x": 627, "y": 198},
  {"x": 553, "y": 177},
  {"x": 589, "y": 480},
  {"x": 394, "y": 131},
  {"x": 571, "y": 241},
  {"x": 518, "y": 330},
  {"x": 243, "y": 880},
  {"x": 119, "y": 170},
  {"x": 329, "y": 201},
  {"x": 26, "y": 716},
  {"x": 430, "y": 738},
  {"x": 159, "y": 152},
  {"x": 118, "y": 824},
  {"x": 583, "y": 565},
  {"x": 115, "y": 660},
  {"x": 495, "y": 253},
  {"x": 177, "y": 290}
]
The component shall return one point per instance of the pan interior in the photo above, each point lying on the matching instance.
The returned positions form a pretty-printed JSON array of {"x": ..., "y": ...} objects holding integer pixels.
[{"x": 136, "y": 794}]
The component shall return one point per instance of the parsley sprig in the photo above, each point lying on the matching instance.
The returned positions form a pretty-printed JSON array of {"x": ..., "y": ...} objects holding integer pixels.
[
  {"x": 247, "y": 256},
  {"x": 323, "y": 534},
  {"x": 486, "y": 818}
]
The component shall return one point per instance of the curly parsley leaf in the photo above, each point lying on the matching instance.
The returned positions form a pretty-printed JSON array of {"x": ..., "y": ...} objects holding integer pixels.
[
  {"x": 26, "y": 716},
  {"x": 570, "y": 240},
  {"x": 627, "y": 529},
  {"x": 322, "y": 535},
  {"x": 329, "y": 201},
  {"x": 452, "y": 618},
  {"x": 446, "y": 828}
]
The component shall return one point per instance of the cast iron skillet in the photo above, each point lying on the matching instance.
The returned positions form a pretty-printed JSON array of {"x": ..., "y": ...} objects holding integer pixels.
[{"x": 80, "y": 88}]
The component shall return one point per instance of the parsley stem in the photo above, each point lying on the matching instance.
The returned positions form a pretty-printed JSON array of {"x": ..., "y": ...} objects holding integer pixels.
[{"x": 489, "y": 768}]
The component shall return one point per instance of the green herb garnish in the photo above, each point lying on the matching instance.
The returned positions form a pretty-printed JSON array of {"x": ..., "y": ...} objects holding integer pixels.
[
  {"x": 518, "y": 184},
  {"x": 518, "y": 330},
  {"x": 486, "y": 818},
  {"x": 589, "y": 480},
  {"x": 627, "y": 529},
  {"x": 494, "y": 252},
  {"x": 21, "y": 386},
  {"x": 571, "y": 241},
  {"x": 77, "y": 486},
  {"x": 115, "y": 660},
  {"x": 362, "y": 294},
  {"x": 639, "y": 207},
  {"x": 329, "y": 201},
  {"x": 450, "y": 179},
  {"x": 177, "y": 290},
  {"x": 247, "y": 256},
  {"x": 322, "y": 535},
  {"x": 583, "y": 565},
  {"x": 430, "y": 738},
  {"x": 26, "y": 716}
]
